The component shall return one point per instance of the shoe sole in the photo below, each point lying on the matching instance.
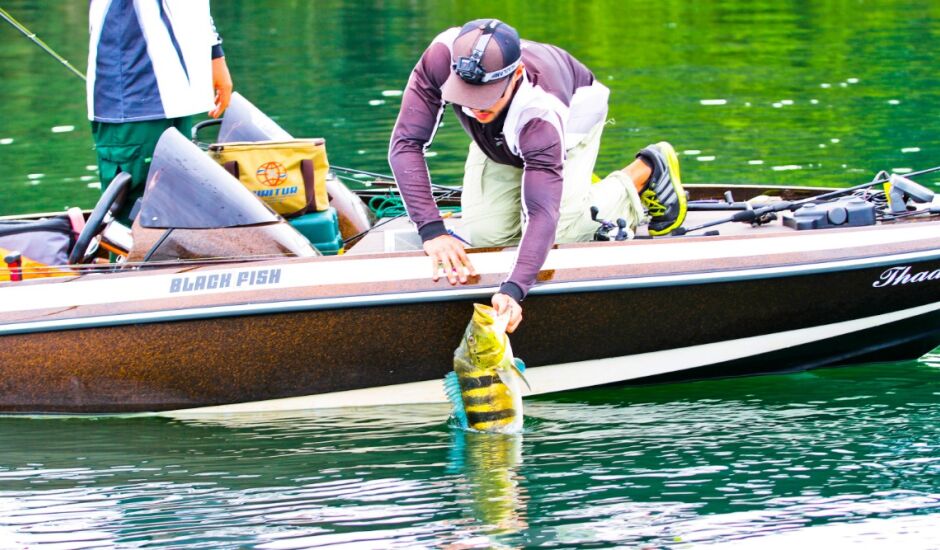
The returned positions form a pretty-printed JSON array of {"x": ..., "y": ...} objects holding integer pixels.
[{"x": 673, "y": 161}]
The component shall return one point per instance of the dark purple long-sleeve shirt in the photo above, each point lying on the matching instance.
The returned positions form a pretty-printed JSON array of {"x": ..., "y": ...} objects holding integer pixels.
[{"x": 555, "y": 104}]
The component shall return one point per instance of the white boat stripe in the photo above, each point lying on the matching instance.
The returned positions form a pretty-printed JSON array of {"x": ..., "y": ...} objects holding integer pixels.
[
  {"x": 451, "y": 294},
  {"x": 103, "y": 289},
  {"x": 580, "y": 374}
]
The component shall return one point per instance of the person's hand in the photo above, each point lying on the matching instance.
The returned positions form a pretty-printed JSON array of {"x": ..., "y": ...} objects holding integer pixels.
[
  {"x": 448, "y": 254},
  {"x": 504, "y": 304},
  {"x": 222, "y": 84}
]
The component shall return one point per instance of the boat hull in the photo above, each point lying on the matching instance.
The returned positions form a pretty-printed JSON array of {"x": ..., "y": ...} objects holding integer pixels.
[{"x": 719, "y": 317}]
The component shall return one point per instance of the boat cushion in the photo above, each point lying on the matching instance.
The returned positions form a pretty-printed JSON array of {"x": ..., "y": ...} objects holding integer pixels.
[{"x": 40, "y": 243}]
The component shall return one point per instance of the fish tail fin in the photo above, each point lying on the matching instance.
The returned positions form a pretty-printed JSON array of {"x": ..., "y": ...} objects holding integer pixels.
[{"x": 453, "y": 393}]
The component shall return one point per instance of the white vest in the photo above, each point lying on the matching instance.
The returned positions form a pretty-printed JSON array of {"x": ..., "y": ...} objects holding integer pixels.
[{"x": 182, "y": 92}]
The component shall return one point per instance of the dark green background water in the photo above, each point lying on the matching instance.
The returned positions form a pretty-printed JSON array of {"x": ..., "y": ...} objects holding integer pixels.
[{"x": 814, "y": 92}]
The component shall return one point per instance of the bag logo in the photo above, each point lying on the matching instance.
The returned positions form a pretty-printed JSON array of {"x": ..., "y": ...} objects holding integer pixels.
[{"x": 272, "y": 174}]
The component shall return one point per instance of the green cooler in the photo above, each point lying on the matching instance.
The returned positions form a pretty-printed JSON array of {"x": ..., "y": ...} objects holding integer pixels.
[{"x": 322, "y": 230}]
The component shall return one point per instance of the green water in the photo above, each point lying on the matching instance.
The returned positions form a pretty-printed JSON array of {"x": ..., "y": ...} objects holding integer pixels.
[
  {"x": 814, "y": 92},
  {"x": 841, "y": 456},
  {"x": 748, "y": 91}
]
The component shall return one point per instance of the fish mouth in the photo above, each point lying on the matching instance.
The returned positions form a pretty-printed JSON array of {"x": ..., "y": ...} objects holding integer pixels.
[{"x": 486, "y": 316}]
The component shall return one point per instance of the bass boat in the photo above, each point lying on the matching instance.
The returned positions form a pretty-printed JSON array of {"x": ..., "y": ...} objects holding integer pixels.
[{"x": 221, "y": 305}]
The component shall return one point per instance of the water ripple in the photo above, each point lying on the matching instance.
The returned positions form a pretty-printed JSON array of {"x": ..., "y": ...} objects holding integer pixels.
[{"x": 725, "y": 462}]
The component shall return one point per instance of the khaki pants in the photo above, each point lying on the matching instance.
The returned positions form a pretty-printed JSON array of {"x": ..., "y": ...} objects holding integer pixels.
[{"x": 492, "y": 197}]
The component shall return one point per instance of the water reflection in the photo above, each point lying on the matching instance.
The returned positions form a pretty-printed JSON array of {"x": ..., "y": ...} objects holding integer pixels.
[
  {"x": 835, "y": 452},
  {"x": 488, "y": 466}
]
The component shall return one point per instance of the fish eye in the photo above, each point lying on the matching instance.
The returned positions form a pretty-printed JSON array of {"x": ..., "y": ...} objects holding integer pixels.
[{"x": 471, "y": 339}]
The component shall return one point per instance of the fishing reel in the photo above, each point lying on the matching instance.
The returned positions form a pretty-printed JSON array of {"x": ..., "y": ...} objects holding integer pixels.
[
  {"x": 763, "y": 219},
  {"x": 755, "y": 203},
  {"x": 607, "y": 228}
]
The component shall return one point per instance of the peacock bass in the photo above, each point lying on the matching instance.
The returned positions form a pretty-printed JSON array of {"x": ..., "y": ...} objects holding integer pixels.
[{"x": 484, "y": 386}]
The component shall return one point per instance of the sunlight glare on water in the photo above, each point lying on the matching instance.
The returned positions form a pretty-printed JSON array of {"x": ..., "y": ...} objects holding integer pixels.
[{"x": 828, "y": 93}]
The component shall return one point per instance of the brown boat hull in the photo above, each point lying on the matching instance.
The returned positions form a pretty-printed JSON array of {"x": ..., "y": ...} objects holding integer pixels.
[{"x": 238, "y": 358}]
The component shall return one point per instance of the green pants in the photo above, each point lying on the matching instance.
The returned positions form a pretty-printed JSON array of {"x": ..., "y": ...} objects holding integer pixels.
[{"x": 128, "y": 147}]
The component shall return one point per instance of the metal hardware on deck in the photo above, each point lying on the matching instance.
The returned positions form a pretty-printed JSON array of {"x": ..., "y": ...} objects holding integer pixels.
[
  {"x": 847, "y": 212},
  {"x": 900, "y": 189},
  {"x": 14, "y": 261},
  {"x": 606, "y": 227}
]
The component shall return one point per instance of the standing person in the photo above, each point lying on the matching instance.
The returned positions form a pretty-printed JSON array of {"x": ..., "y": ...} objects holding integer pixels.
[
  {"x": 152, "y": 64},
  {"x": 535, "y": 115}
]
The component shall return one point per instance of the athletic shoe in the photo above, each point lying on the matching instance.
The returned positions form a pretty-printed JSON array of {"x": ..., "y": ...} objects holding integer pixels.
[{"x": 663, "y": 195}]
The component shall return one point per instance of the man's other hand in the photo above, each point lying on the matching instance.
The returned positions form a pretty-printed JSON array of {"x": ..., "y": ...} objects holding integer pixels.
[{"x": 448, "y": 255}]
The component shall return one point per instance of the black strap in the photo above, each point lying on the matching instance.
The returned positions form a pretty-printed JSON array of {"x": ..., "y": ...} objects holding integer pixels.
[
  {"x": 232, "y": 167},
  {"x": 306, "y": 169}
]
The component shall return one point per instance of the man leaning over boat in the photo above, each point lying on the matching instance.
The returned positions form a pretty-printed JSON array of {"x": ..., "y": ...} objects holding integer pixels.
[
  {"x": 535, "y": 115},
  {"x": 151, "y": 66}
]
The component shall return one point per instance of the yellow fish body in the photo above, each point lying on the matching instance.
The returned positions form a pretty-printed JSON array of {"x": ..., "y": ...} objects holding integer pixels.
[{"x": 488, "y": 375}]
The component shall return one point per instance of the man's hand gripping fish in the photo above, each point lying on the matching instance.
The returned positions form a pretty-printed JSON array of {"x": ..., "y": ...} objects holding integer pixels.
[{"x": 484, "y": 387}]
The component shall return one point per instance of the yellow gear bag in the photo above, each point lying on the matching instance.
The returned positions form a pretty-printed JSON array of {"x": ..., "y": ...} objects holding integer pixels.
[{"x": 289, "y": 176}]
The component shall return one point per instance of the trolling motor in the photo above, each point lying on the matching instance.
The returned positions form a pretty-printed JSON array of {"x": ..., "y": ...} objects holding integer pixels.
[
  {"x": 603, "y": 232},
  {"x": 859, "y": 210},
  {"x": 899, "y": 189}
]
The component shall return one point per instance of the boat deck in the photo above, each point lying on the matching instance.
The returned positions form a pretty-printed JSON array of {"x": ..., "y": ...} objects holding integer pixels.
[{"x": 399, "y": 235}]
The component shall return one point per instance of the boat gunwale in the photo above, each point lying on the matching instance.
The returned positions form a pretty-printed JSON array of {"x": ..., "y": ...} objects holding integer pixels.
[{"x": 469, "y": 293}]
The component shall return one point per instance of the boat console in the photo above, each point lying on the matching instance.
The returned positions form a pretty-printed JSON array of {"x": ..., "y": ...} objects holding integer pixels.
[
  {"x": 200, "y": 211},
  {"x": 192, "y": 209}
]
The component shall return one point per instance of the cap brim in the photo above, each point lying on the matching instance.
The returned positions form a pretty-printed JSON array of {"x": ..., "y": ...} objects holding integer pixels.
[{"x": 473, "y": 96}]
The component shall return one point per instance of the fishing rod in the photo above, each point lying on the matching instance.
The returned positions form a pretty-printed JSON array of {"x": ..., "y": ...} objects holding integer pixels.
[
  {"x": 363, "y": 172},
  {"x": 389, "y": 179},
  {"x": 35, "y": 40},
  {"x": 751, "y": 215}
]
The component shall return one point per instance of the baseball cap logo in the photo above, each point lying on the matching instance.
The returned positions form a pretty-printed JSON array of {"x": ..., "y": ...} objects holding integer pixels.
[
  {"x": 485, "y": 53},
  {"x": 470, "y": 68}
]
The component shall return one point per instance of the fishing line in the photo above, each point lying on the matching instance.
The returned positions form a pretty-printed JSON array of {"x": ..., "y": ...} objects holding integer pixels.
[
  {"x": 35, "y": 40},
  {"x": 446, "y": 191},
  {"x": 385, "y": 178},
  {"x": 402, "y": 213}
]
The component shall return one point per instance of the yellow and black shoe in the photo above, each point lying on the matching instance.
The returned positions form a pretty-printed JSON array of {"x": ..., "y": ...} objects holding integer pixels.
[{"x": 663, "y": 195}]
